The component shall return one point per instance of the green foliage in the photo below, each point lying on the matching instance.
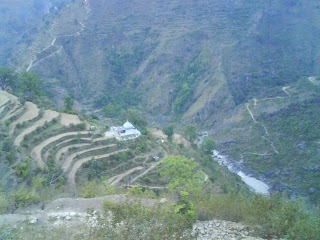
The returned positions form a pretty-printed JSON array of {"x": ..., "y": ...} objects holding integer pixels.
[
  {"x": 10, "y": 157},
  {"x": 135, "y": 190},
  {"x": 138, "y": 119},
  {"x": 112, "y": 105},
  {"x": 23, "y": 197},
  {"x": 208, "y": 145},
  {"x": 138, "y": 222},
  {"x": 275, "y": 216},
  {"x": 185, "y": 83},
  {"x": 95, "y": 189},
  {"x": 30, "y": 85},
  {"x": 191, "y": 133},
  {"x": 169, "y": 131},
  {"x": 7, "y": 78},
  {"x": 185, "y": 206},
  {"x": 7, "y": 145},
  {"x": 294, "y": 131},
  {"x": 68, "y": 105},
  {"x": 23, "y": 168},
  {"x": 122, "y": 61},
  {"x": 182, "y": 174},
  {"x": 140, "y": 145},
  {"x": 37, "y": 183},
  {"x": 4, "y": 204},
  {"x": 89, "y": 190}
]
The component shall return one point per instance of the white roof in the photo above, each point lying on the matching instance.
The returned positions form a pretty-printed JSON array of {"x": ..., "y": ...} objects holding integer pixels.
[
  {"x": 130, "y": 132},
  {"x": 128, "y": 125}
]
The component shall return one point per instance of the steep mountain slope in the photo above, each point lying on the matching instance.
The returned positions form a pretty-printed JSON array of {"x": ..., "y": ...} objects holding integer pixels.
[
  {"x": 208, "y": 55},
  {"x": 238, "y": 67},
  {"x": 20, "y": 21}
]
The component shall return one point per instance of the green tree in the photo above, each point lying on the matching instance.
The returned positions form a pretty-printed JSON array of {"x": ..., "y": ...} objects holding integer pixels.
[
  {"x": 110, "y": 111},
  {"x": 7, "y": 78},
  {"x": 182, "y": 173},
  {"x": 208, "y": 145},
  {"x": 68, "y": 103},
  {"x": 191, "y": 133},
  {"x": 168, "y": 131},
  {"x": 137, "y": 118},
  {"x": 30, "y": 84}
]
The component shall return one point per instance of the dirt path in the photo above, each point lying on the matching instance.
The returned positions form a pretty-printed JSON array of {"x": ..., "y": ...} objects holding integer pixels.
[
  {"x": 285, "y": 90},
  {"x": 78, "y": 164},
  {"x": 264, "y": 127},
  {"x": 312, "y": 79},
  {"x": 32, "y": 111},
  {"x": 149, "y": 169},
  {"x": 251, "y": 114},
  {"x": 65, "y": 149},
  {"x": 47, "y": 117},
  {"x": 69, "y": 159},
  {"x": 116, "y": 179},
  {"x": 36, "y": 151},
  {"x": 35, "y": 62},
  {"x": 153, "y": 165}
]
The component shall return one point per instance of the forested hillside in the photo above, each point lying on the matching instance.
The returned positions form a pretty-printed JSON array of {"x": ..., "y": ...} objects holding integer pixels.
[{"x": 244, "y": 72}]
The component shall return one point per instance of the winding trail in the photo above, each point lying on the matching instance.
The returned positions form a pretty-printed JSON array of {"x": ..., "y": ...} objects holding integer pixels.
[
  {"x": 265, "y": 130},
  {"x": 285, "y": 90},
  {"x": 116, "y": 179},
  {"x": 48, "y": 116},
  {"x": 36, "y": 151},
  {"x": 149, "y": 169},
  {"x": 78, "y": 164},
  {"x": 145, "y": 172},
  {"x": 32, "y": 111},
  {"x": 312, "y": 79},
  {"x": 271, "y": 144},
  {"x": 251, "y": 112},
  {"x": 69, "y": 159},
  {"x": 255, "y": 101},
  {"x": 34, "y": 62}
]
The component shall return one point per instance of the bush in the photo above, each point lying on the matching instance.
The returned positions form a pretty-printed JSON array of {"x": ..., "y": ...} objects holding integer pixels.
[
  {"x": 276, "y": 216},
  {"x": 138, "y": 222},
  {"x": 23, "y": 197},
  {"x": 4, "y": 204}
]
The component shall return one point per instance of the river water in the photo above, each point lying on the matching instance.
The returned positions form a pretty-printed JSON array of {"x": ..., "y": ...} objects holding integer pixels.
[{"x": 253, "y": 183}]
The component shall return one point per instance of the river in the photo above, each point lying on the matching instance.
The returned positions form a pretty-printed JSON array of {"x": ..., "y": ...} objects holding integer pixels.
[{"x": 254, "y": 184}]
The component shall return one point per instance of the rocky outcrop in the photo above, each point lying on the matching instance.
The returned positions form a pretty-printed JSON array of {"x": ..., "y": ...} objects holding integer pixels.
[{"x": 219, "y": 229}]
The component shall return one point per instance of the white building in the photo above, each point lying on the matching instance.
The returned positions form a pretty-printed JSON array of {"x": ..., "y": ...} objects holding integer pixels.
[{"x": 125, "y": 132}]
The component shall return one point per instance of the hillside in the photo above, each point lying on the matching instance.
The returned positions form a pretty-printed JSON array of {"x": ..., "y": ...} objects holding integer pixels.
[
  {"x": 60, "y": 149},
  {"x": 210, "y": 56},
  {"x": 238, "y": 69},
  {"x": 20, "y": 21}
]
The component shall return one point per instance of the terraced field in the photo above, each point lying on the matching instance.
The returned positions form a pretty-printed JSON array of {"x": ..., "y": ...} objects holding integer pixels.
[
  {"x": 48, "y": 116},
  {"x": 61, "y": 141},
  {"x": 31, "y": 112}
]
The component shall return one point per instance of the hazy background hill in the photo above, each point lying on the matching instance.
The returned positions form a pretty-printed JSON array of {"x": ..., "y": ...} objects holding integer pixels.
[{"x": 199, "y": 60}]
